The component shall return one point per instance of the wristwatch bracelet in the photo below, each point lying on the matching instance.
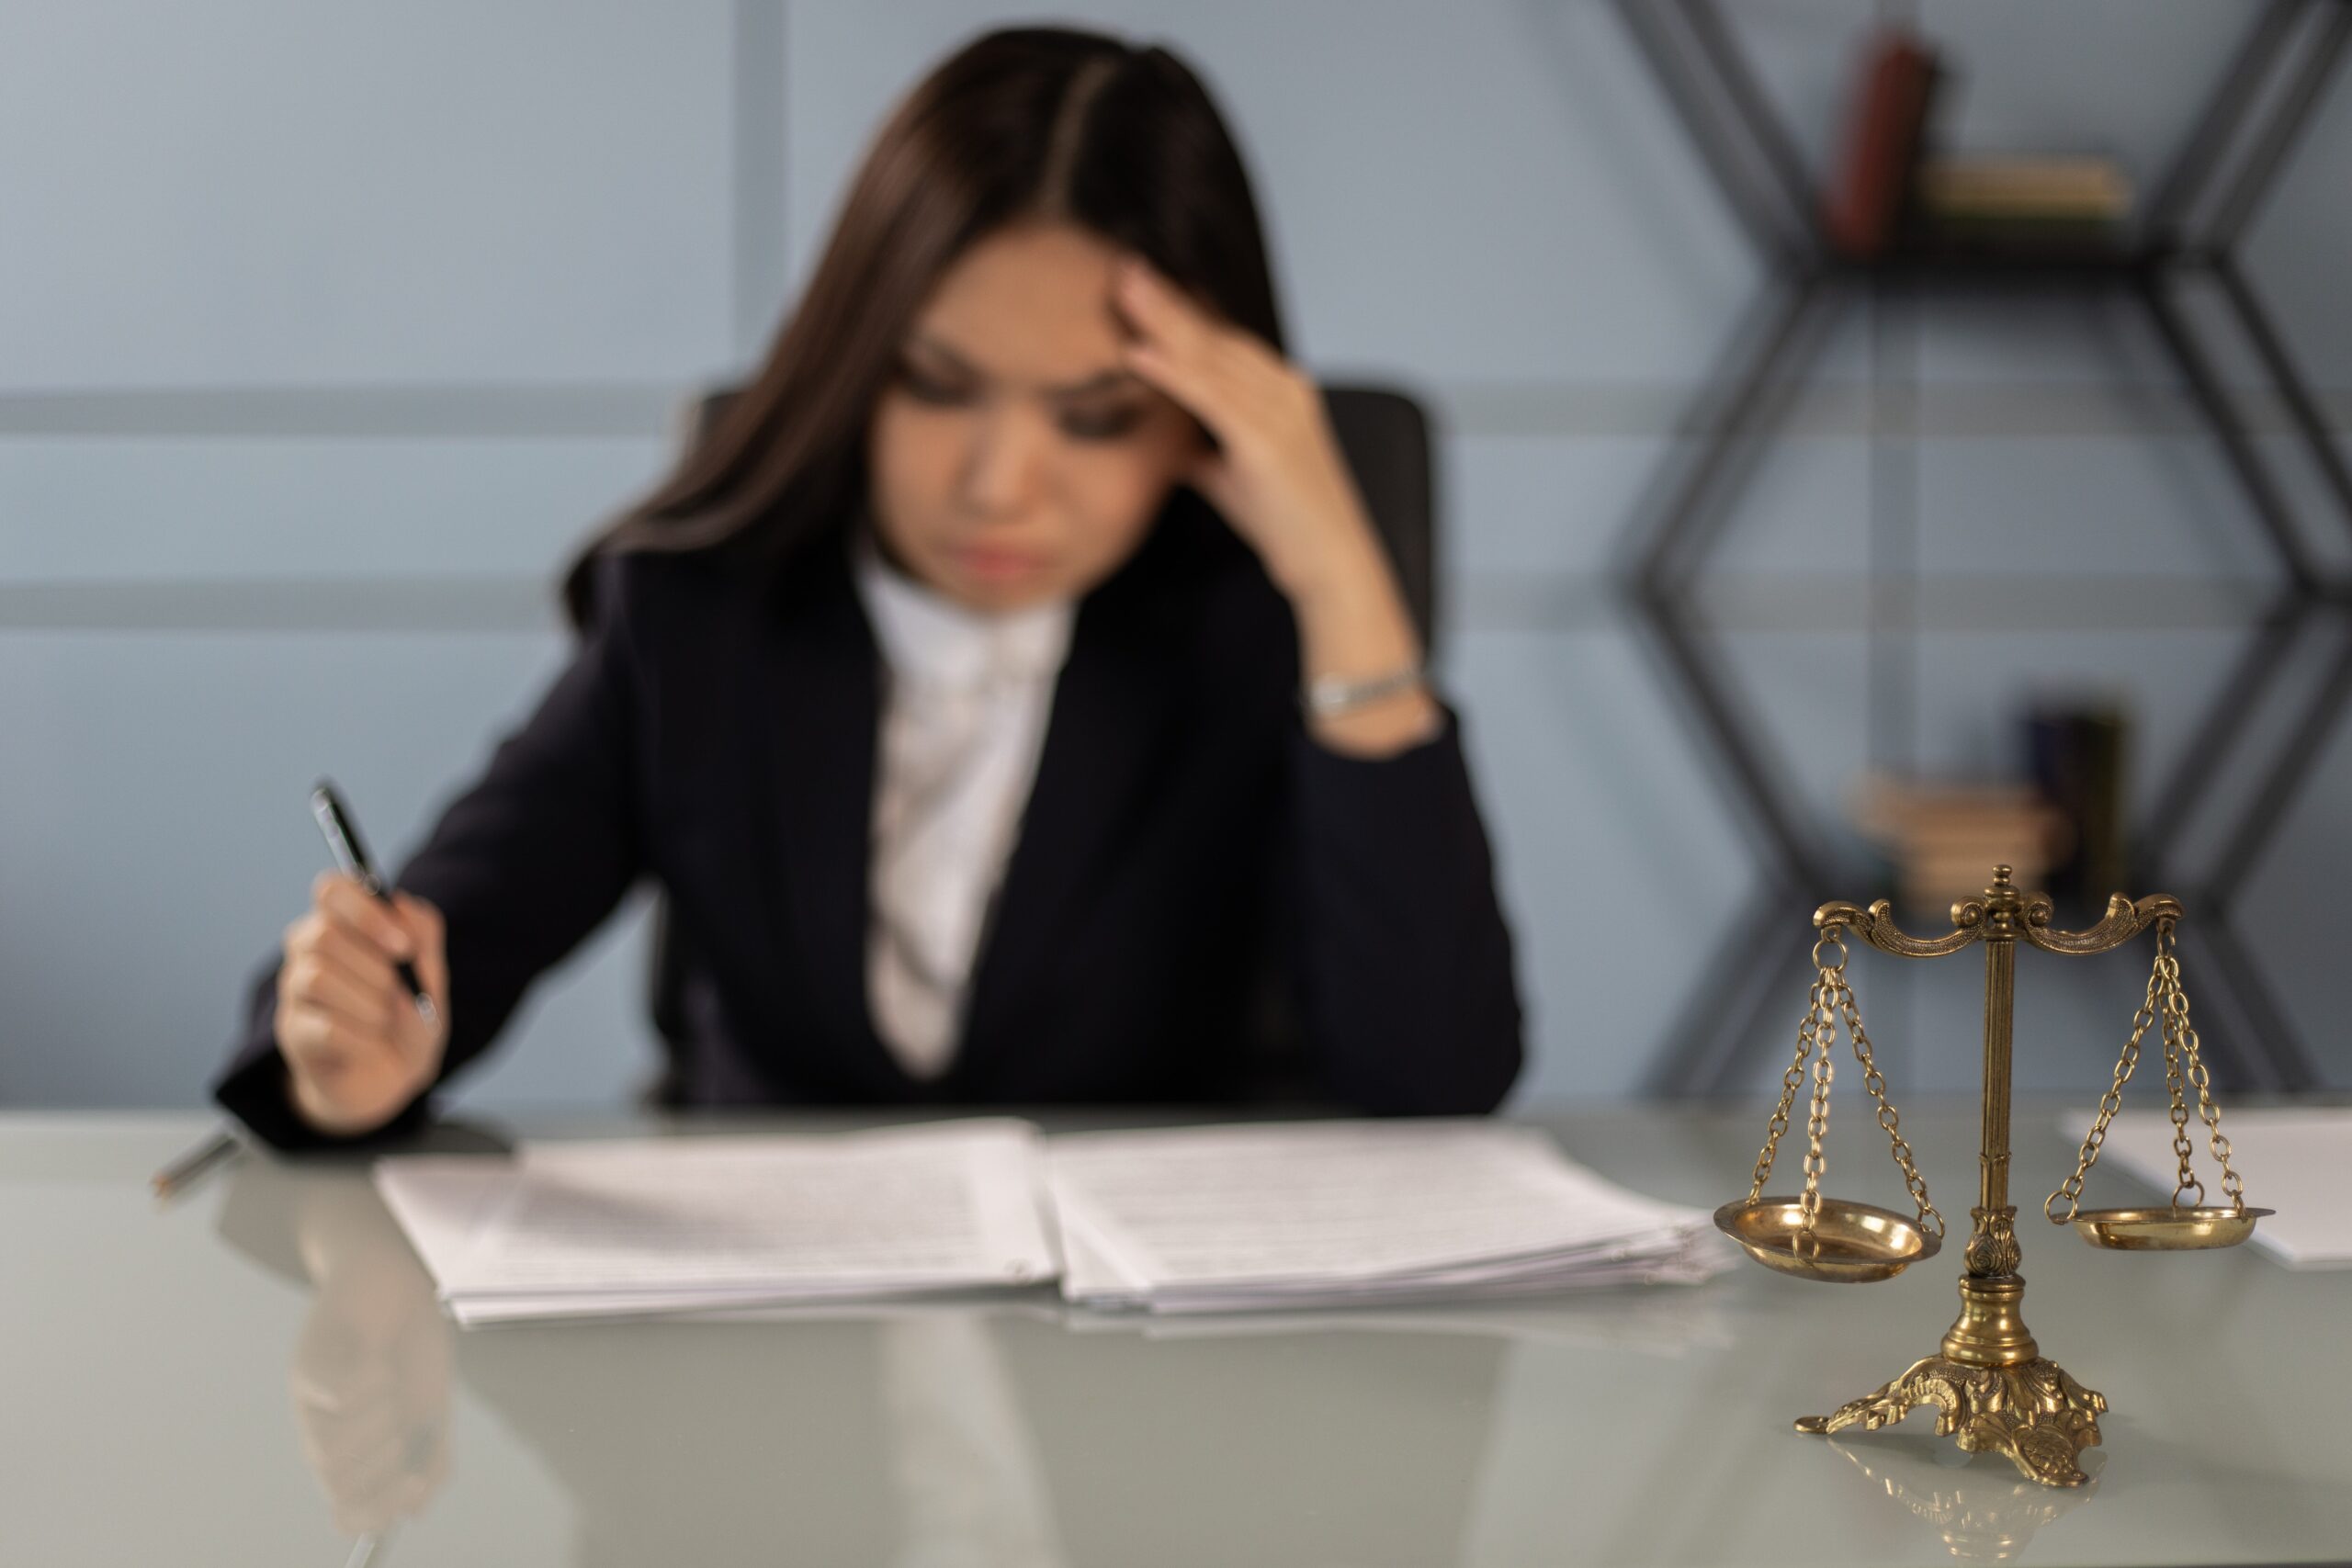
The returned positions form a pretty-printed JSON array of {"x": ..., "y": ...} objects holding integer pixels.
[{"x": 1332, "y": 695}]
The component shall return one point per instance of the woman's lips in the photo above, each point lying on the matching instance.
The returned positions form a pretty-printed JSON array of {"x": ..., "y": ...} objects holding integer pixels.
[{"x": 992, "y": 563}]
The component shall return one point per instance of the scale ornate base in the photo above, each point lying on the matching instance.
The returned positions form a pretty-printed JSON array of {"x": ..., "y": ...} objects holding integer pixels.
[{"x": 1993, "y": 1390}]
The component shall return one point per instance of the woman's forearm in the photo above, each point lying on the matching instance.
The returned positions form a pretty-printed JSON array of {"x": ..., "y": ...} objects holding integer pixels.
[{"x": 1352, "y": 626}]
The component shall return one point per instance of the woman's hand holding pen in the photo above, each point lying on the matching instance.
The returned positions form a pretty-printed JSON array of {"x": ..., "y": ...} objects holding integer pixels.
[
  {"x": 1280, "y": 480},
  {"x": 357, "y": 1047}
]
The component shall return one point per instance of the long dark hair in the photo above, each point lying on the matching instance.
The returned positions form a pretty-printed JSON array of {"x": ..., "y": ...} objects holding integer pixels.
[{"x": 1046, "y": 123}]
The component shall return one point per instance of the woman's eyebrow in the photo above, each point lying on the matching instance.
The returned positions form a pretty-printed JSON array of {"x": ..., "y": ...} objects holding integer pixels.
[{"x": 1109, "y": 378}]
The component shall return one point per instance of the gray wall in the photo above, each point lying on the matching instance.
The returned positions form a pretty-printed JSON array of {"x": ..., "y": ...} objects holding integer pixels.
[{"x": 325, "y": 332}]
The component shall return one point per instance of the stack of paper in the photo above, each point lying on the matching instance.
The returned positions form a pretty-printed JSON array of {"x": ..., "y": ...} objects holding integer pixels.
[
  {"x": 713, "y": 1223},
  {"x": 1297, "y": 1215},
  {"x": 1210, "y": 1219}
]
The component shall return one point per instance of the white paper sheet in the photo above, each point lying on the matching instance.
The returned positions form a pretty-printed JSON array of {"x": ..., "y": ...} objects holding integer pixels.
[
  {"x": 2297, "y": 1160},
  {"x": 1219, "y": 1218},
  {"x": 726, "y": 1222}
]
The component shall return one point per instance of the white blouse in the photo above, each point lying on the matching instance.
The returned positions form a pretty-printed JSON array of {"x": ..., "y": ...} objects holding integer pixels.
[{"x": 965, "y": 700}]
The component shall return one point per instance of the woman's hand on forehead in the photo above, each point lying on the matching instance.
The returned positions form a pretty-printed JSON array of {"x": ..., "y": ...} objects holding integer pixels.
[
  {"x": 1277, "y": 476},
  {"x": 1282, "y": 483}
]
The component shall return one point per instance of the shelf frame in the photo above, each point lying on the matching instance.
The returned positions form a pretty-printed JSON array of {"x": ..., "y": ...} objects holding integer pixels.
[{"x": 2191, "y": 234}]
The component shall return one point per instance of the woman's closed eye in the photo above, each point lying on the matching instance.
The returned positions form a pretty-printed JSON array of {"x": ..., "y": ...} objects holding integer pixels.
[
  {"x": 926, "y": 388},
  {"x": 1106, "y": 423}
]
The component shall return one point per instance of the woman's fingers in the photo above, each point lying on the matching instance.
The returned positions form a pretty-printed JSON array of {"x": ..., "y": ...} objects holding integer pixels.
[
  {"x": 421, "y": 1037},
  {"x": 1178, "y": 347},
  {"x": 358, "y": 999},
  {"x": 1172, "y": 322},
  {"x": 1190, "y": 385},
  {"x": 354, "y": 1040},
  {"x": 366, "y": 943},
  {"x": 427, "y": 938},
  {"x": 345, "y": 950},
  {"x": 1233, "y": 381},
  {"x": 351, "y": 907},
  {"x": 343, "y": 1076},
  {"x": 315, "y": 1038},
  {"x": 344, "y": 1080},
  {"x": 1160, "y": 310},
  {"x": 349, "y": 976}
]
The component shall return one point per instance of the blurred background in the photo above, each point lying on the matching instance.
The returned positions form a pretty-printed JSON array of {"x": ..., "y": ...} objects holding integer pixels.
[{"x": 326, "y": 332}]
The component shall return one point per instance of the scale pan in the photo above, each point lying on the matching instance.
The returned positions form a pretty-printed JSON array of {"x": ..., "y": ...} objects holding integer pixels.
[
  {"x": 2166, "y": 1229},
  {"x": 1852, "y": 1243}
]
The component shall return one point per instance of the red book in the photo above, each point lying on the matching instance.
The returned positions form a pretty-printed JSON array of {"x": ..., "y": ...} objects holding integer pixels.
[{"x": 1863, "y": 208}]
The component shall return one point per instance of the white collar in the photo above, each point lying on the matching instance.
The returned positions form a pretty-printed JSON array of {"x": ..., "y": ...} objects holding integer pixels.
[{"x": 928, "y": 639}]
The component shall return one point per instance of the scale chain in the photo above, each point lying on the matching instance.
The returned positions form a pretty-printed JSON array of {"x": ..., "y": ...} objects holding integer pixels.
[
  {"x": 2181, "y": 1147},
  {"x": 1830, "y": 1001},
  {"x": 1889, "y": 1118},
  {"x": 2167, "y": 1002},
  {"x": 1817, "y": 1033},
  {"x": 2071, "y": 1189},
  {"x": 1825, "y": 1066},
  {"x": 1789, "y": 1082},
  {"x": 2177, "y": 1026}
]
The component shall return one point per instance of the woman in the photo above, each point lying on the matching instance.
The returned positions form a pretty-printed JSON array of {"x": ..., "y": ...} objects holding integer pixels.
[{"x": 952, "y": 688}]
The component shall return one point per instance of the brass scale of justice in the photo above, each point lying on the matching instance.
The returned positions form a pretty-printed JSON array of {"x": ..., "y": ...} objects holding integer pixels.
[{"x": 1992, "y": 1388}]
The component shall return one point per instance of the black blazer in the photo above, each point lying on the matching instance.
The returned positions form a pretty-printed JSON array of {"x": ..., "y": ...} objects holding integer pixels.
[{"x": 715, "y": 731}]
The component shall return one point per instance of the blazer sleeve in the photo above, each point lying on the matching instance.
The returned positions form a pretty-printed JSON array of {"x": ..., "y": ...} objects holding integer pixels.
[
  {"x": 1404, "y": 962},
  {"x": 523, "y": 865}
]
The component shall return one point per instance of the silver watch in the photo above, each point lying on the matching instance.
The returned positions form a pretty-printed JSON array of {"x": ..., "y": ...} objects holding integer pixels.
[{"x": 1331, "y": 695}]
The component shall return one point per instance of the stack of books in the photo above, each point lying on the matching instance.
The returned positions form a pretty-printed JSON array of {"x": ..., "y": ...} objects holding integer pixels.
[
  {"x": 1943, "y": 839},
  {"x": 2024, "y": 202}
]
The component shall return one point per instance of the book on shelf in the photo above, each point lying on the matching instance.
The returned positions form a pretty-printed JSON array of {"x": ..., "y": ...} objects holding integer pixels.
[
  {"x": 1944, "y": 839},
  {"x": 1864, "y": 204},
  {"x": 2064, "y": 187},
  {"x": 2078, "y": 753}
]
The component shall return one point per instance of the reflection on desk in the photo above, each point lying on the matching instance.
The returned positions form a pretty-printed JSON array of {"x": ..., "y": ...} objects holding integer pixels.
[
  {"x": 1985, "y": 1512},
  {"x": 148, "y": 1383},
  {"x": 941, "y": 1432}
]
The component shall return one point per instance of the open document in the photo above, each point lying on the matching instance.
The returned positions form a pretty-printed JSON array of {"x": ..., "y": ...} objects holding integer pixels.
[
  {"x": 1183, "y": 1220},
  {"x": 1328, "y": 1213},
  {"x": 672, "y": 1224}
]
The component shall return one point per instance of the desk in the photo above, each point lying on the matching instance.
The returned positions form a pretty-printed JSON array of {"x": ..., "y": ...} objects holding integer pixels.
[{"x": 258, "y": 1374}]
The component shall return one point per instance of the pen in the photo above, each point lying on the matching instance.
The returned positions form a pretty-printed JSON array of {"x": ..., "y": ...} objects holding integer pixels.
[
  {"x": 351, "y": 858},
  {"x": 195, "y": 1163}
]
